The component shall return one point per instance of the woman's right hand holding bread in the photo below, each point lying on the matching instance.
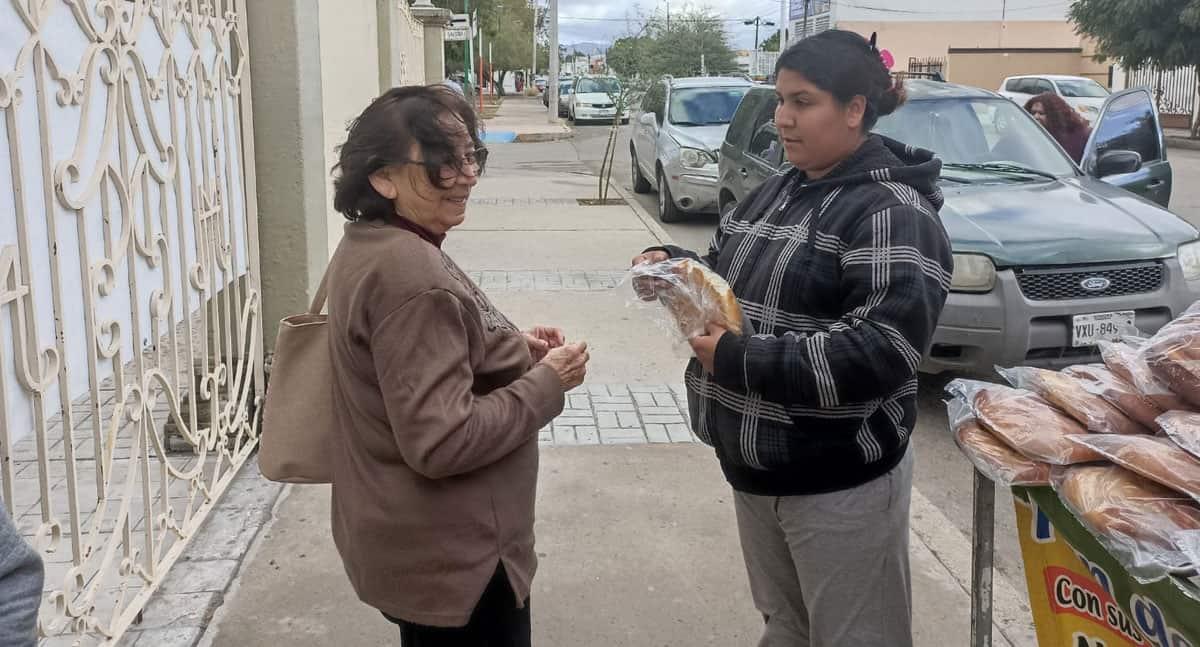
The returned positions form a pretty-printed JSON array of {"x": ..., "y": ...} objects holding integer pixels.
[{"x": 569, "y": 362}]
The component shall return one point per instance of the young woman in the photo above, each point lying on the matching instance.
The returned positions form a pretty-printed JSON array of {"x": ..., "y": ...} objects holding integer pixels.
[{"x": 842, "y": 267}]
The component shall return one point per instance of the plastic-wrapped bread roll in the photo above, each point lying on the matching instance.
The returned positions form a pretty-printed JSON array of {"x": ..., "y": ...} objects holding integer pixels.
[
  {"x": 695, "y": 295},
  {"x": 1133, "y": 517},
  {"x": 1158, "y": 459},
  {"x": 1183, "y": 427},
  {"x": 1174, "y": 357},
  {"x": 999, "y": 462},
  {"x": 1069, "y": 394},
  {"x": 1096, "y": 378},
  {"x": 1030, "y": 425},
  {"x": 1127, "y": 363}
]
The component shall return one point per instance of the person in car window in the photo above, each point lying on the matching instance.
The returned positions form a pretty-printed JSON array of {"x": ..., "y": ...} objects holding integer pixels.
[
  {"x": 1062, "y": 122},
  {"x": 841, "y": 266}
]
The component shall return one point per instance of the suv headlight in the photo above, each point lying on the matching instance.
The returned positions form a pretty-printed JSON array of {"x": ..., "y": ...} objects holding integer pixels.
[
  {"x": 1189, "y": 260},
  {"x": 973, "y": 273},
  {"x": 695, "y": 158}
]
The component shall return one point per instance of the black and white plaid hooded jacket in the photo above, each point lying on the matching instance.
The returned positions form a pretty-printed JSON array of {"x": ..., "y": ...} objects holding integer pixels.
[{"x": 842, "y": 281}]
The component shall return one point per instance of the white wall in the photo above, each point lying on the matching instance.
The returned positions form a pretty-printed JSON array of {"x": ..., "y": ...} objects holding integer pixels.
[{"x": 349, "y": 78}]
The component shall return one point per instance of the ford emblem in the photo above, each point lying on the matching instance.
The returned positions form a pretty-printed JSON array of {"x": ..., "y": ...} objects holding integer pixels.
[{"x": 1095, "y": 284}]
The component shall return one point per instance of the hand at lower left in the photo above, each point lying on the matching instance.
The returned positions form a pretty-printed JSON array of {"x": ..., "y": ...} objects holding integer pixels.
[
  {"x": 542, "y": 339},
  {"x": 705, "y": 346}
]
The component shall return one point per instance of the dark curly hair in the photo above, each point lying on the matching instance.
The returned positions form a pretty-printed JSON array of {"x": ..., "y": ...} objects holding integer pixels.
[
  {"x": 846, "y": 65},
  {"x": 1060, "y": 116},
  {"x": 384, "y": 135}
]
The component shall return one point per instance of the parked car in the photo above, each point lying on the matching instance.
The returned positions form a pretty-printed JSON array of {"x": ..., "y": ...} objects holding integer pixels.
[
  {"x": 677, "y": 139},
  {"x": 595, "y": 98},
  {"x": 1048, "y": 259},
  {"x": 1081, "y": 93},
  {"x": 565, "y": 87}
]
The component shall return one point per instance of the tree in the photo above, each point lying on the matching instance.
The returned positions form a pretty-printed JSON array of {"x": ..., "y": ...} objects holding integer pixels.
[
  {"x": 1164, "y": 33},
  {"x": 694, "y": 44},
  {"x": 771, "y": 44},
  {"x": 508, "y": 26},
  {"x": 624, "y": 55}
]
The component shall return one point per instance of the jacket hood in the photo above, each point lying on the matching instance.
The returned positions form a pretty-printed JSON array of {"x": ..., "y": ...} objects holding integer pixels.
[{"x": 881, "y": 159}]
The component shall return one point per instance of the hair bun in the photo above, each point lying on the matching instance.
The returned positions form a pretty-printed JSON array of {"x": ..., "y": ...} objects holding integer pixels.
[{"x": 892, "y": 98}]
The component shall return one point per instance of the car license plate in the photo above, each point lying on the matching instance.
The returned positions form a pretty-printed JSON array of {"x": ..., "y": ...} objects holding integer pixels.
[{"x": 1088, "y": 329}]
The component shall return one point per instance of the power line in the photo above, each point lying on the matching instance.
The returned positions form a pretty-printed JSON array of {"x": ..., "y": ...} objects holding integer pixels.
[{"x": 920, "y": 12}]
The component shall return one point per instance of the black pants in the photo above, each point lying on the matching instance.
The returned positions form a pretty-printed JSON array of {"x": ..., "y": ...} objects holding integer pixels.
[{"x": 495, "y": 622}]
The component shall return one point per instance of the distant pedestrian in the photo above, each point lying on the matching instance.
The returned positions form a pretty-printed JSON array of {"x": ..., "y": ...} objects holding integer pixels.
[
  {"x": 842, "y": 267},
  {"x": 454, "y": 85},
  {"x": 21, "y": 579},
  {"x": 1063, "y": 123},
  {"x": 438, "y": 395}
]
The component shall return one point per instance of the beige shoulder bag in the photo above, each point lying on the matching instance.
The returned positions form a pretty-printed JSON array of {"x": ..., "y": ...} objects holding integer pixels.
[{"x": 298, "y": 421}]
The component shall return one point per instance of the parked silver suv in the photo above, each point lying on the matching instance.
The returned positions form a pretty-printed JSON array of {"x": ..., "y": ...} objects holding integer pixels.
[{"x": 677, "y": 139}]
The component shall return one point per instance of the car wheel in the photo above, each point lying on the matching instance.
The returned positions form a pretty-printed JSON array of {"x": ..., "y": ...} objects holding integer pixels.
[
  {"x": 640, "y": 183},
  {"x": 667, "y": 211}
]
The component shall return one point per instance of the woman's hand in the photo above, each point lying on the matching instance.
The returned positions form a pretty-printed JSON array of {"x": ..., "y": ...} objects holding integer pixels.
[
  {"x": 705, "y": 346},
  {"x": 569, "y": 362},
  {"x": 644, "y": 286},
  {"x": 543, "y": 339}
]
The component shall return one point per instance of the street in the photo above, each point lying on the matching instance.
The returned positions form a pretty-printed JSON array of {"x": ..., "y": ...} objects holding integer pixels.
[{"x": 942, "y": 475}]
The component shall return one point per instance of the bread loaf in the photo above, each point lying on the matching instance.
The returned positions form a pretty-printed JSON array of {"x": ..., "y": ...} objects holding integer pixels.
[
  {"x": 998, "y": 461},
  {"x": 1126, "y": 363},
  {"x": 1096, "y": 378},
  {"x": 1158, "y": 459},
  {"x": 700, "y": 297},
  {"x": 1135, "y": 518},
  {"x": 1068, "y": 394},
  {"x": 1174, "y": 365},
  {"x": 1030, "y": 425},
  {"x": 1183, "y": 427}
]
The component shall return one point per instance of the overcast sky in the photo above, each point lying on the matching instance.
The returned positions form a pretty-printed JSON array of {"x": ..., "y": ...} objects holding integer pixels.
[{"x": 607, "y": 20}]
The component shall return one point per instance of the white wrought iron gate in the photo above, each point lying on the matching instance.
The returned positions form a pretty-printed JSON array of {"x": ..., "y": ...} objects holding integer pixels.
[{"x": 130, "y": 338}]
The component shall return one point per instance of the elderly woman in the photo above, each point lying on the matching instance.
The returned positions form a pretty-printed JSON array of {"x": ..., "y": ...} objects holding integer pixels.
[{"x": 439, "y": 396}]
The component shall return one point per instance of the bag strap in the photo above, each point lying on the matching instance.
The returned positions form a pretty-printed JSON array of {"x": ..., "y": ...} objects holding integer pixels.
[{"x": 318, "y": 302}]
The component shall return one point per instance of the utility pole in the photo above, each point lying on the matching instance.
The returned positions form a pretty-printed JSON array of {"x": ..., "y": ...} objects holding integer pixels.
[
  {"x": 481, "y": 78},
  {"x": 468, "y": 46},
  {"x": 783, "y": 18},
  {"x": 552, "y": 84},
  {"x": 533, "y": 69},
  {"x": 804, "y": 27},
  {"x": 668, "y": 15},
  {"x": 756, "y": 22}
]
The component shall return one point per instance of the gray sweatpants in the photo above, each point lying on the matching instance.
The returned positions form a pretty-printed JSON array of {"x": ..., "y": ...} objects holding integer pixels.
[
  {"x": 21, "y": 575},
  {"x": 831, "y": 570}
]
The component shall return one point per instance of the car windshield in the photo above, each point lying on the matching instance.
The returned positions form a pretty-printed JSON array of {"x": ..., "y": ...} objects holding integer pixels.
[
  {"x": 704, "y": 106},
  {"x": 1080, "y": 89},
  {"x": 564, "y": 88},
  {"x": 607, "y": 86},
  {"x": 984, "y": 139}
]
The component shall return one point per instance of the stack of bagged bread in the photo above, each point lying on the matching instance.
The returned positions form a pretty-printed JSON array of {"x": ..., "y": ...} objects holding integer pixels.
[{"x": 1118, "y": 441}]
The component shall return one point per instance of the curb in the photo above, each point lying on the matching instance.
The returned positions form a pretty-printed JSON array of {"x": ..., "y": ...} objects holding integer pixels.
[
  {"x": 648, "y": 220},
  {"x": 1011, "y": 615},
  {"x": 1185, "y": 143},
  {"x": 534, "y": 138}
]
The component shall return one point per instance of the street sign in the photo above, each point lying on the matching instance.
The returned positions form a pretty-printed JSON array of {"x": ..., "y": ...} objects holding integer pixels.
[{"x": 457, "y": 34}]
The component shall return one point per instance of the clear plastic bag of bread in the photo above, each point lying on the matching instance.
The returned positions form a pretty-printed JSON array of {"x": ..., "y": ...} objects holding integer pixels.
[
  {"x": 1024, "y": 421},
  {"x": 694, "y": 295},
  {"x": 995, "y": 460},
  {"x": 1183, "y": 427},
  {"x": 1173, "y": 355},
  {"x": 1137, "y": 520},
  {"x": 1098, "y": 379},
  {"x": 1126, "y": 361},
  {"x": 1072, "y": 397},
  {"x": 1154, "y": 457}
]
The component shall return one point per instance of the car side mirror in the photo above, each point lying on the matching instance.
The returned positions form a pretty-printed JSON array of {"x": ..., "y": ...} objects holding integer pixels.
[{"x": 1118, "y": 162}]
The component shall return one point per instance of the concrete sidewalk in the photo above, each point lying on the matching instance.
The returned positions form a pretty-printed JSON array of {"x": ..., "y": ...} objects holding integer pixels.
[
  {"x": 526, "y": 118},
  {"x": 635, "y": 528}
]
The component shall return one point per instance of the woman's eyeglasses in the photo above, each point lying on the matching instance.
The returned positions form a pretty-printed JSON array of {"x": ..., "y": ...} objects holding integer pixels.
[{"x": 449, "y": 170}]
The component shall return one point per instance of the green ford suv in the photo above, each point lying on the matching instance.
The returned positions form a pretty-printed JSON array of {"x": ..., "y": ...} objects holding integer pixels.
[{"x": 1049, "y": 257}]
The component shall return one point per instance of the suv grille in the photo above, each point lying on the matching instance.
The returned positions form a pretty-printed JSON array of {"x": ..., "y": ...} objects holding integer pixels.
[{"x": 1045, "y": 284}]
